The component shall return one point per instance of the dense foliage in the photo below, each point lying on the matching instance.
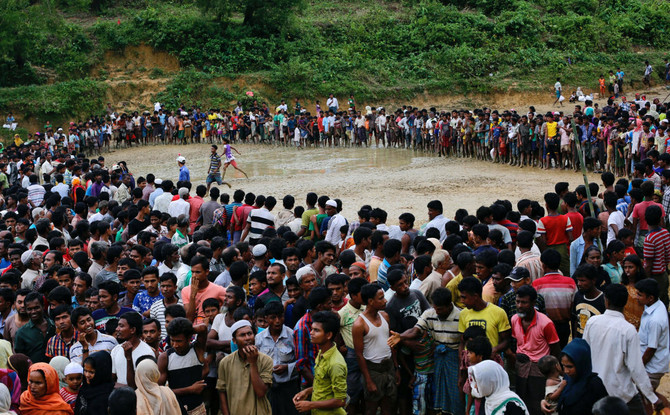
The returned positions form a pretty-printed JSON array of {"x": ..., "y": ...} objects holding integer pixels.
[{"x": 375, "y": 49}]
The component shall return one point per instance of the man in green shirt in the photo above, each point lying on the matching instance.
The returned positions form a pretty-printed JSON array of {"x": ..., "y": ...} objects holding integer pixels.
[
  {"x": 307, "y": 214},
  {"x": 32, "y": 338},
  {"x": 329, "y": 390}
]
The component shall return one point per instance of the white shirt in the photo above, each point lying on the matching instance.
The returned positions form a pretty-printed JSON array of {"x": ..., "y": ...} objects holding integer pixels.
[
  {"x": 654, "y": 333},
  {"x": 333, "y": 233},
  {"x": 162, "y": 202},
  {"x": 557, "y": 86},
  {"x": 616, "y": 357},
  {"x": 332, "y": 102},
  {"x": 103, "y": 342},
  {"x": 438, "y": 223},
  {"x": 178, "y": 207},
  {"x": 615, "y": 218},
  {"x": 119, "y": 360}
]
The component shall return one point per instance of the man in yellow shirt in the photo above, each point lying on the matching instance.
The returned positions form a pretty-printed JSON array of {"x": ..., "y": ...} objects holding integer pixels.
[
  {"x": 551, "y": 139},
  {"x": 466, "y": 263}
]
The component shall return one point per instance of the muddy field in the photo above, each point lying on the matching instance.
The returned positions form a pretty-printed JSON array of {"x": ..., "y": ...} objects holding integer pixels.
[{"x": 396, "y": 180}]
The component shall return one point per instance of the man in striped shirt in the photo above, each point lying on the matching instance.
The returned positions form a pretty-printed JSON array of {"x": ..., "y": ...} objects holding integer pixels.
[
  {"x": 259, "y": 220},
  {"x": 558, "y": 292},
  {"x": 657, "y": 251}
]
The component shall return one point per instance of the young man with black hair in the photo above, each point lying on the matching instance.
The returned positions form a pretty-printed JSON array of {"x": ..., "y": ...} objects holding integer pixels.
[
  {"x": 277, "y": 342},
  {"x": 108, "y": 292},
  {"x": 589, "y": 301},
  {"x": 151, "y": 333},
  {"x": 151, "y": 293},
  {"x": 657, "y": 250},
  {"x": 441, "y": 324},
  {"x": 329, "y": 391},
  {"x": 555, "y": 231},
  {"x": 377, "y": 361},
  {"x": 66, "y": 336},
  {"x": 181, "y": 366},
  {"x": 125, "y": 355},
  {"x": 325, "y": 256},
  {"x": 7, "y": 299},
  {"x": 590, "y": 236},
  {"x": 131, "y": 281},
  {"x": 336, "y": 284},
  {"x": 392, "y": 250},
  {"x": 200, "y": 289},
  {"x": 275, "y": 291},
  {"x": 654, "y": 331},
  {"x": 31, "y": 339},
  {"x": 90, "y": 339},
  {"x": 319, "y": 300},
  {"x": 616, "y": 354}
]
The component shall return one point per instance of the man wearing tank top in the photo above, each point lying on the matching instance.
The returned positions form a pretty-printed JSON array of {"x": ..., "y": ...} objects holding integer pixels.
[{"x": 377, "y": 361}]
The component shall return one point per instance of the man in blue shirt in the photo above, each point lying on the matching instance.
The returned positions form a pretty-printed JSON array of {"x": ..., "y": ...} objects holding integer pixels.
[{"x": 184, "y": 173}]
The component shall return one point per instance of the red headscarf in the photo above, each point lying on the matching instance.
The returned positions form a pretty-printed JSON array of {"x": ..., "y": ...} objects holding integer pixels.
[{"x": 49, "y": 404}]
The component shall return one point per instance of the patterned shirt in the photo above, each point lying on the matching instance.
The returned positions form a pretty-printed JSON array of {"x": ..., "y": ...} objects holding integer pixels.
[
  {"x": 214, "y": 163},
  {"x": 143, "y": 301},
  {"x": 558, "y": 291},
  {"x": 508, "y": 303},
  {"x": 442, "y": 331},
  {"x": 56, "y": 346},
  {"x": 657, "y": 250},
  {"x": 305, "y": 351}
]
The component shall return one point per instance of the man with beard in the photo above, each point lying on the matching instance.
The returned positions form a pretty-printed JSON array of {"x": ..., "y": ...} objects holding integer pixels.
[
  {"x": 15, "y": 321},
  {"x": 536, "y": 337},
  {"x": 325, "y": 255},
  {"x": 151, "y": 333},
  {"x": 90, "y": 339},
  {"x": 276, "y": 290},
  {"x": 245, "y": 376}
]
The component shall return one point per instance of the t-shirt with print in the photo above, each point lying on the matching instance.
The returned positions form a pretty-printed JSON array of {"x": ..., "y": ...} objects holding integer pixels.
[
  {"x": 404, "y": 312},
  {"x": 491, "y": 318},
  {"x": 584, "y": 308}
]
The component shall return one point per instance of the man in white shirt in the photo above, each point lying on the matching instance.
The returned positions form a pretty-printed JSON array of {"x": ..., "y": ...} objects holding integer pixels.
[
  {"x": 654, "y": 331},
  {"x": 332, "y": 104},
  {"x": 334, "y": 224},
  {"x": 615, "y": 352},
  {"x": 47, "y": 167},
  {"x": 126, "y": 354},
  {"x": 180, "y": 206},
  {"x": 437, "y": 221},
  {"x": 162, "y": 201}
]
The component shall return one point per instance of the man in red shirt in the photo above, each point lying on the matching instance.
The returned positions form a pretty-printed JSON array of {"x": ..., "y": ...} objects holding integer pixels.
[
  {"x": 536, "y": 337},
  {"x": 639, "y": 221},
  {"x": 570, "y": 207},
  {"x": 657, "y": 251},
  {"x": 240, "y": 214},
  {"x": 195, "y": 202},
  {"x": 555, "y": 231}
]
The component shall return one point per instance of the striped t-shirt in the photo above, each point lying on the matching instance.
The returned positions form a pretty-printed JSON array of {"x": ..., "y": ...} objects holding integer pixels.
[
  {"x": 104, "y": 342},
  {"x": 260, "y": 220},
  {"x": 443, "y": 331},
  {"x": 558, "y": 292},
  {"x": 657, "y": 250}
]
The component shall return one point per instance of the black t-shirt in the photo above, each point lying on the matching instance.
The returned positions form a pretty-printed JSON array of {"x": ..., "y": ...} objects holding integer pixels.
[
  {"x": 404, "y": 312},
  {"x": 583, "y": 309},
  {"x": 135, "y": 225}
]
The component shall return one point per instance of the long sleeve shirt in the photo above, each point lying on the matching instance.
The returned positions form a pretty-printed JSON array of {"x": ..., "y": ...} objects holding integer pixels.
[{"x": 616, "y": 356}]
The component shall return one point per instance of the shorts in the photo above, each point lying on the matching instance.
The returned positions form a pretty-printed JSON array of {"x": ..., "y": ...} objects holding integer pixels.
[
  {"x": 214, "y": 177},
  {"x": 565, "y": 148},
  {"x": 383, "y": 376},
  {"x": 231, "y": 162},
  {"x": 558, "y": 94}
]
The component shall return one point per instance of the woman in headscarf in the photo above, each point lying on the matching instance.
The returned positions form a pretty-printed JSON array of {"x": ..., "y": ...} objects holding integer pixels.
[
  {"x": 5, "y": 401},
  {"x": 94, "y": 393},
  {"x": 42, "y": 397},
  {"x": 20, "y": 364},
  {"x": 584, "y": 388},
  {"x": 59, "y": 363},
  {"x": 153, "y": 399},
  {"x": 489, "y": 380},
  {"x": 10, "y": 379}
]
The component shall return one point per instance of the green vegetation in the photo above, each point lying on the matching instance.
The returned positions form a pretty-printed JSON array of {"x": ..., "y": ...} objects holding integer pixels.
[{"x": 309, "y": 49}]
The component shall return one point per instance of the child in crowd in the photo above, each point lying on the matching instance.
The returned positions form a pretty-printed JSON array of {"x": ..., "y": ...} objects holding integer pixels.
[
  {"x": 478, "y": 348},
  {"x": 74, "y": 375},
  {"x": 551, "y": 369}
]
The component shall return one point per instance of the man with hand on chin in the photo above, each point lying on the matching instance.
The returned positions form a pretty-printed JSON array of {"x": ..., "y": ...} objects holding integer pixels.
[
  {"x": 245, "y": 376},
  {"x": 90, "y": 339}
]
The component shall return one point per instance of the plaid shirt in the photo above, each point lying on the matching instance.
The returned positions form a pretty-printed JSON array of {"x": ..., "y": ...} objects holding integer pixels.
[
  {"x": 57, "y": 347},
  {"x": 666, "y": 201},
  {"x": 305, "y": 351}
]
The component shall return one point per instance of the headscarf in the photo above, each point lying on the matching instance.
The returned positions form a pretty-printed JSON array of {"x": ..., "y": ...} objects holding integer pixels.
[
  {"x": 49, "y": 404},
  {"x": 579, "y": 352},
  {"x": 10, "y": 379},
  {"x": 92, "y": 398},
  {"x": 5, "y": 401},
  {"x": 59, "y": 363},
  {"x": 20, "y": 364},
  {"x": 489, "y": 380},
  {"x": 153, "y": 399}
]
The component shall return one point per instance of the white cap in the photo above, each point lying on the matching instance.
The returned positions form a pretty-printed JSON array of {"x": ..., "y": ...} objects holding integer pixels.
[
  {"x": 158, "y": 181},
  {"x": 181, "y": 159},
  {"x": 304, "y": 271},
  {"x": 116, "y": 167},
  {"x": 259, "y": 250},
  {"x": 73, "y": 368},
  {"x": 238, "y": 325},
  {"x": 26, "y": 257},
  {"x": 332, "y": 203}
]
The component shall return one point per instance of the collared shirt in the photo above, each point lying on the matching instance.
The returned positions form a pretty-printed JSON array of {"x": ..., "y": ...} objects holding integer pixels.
[
  {"x": 103, "y": 342},
  {"x": 577, "y": 251},
  {"x": 305, "y": 351},
  {"x": 330, "y": 380},
  {"x": 654, "y": 334},
  {"x": 508, "y": 303},
  {"x": 441, "y": 331},
  {"x": 31, "y": 342},
  {"x": 143, "y": 301},
  {"x": 616, "y": 357},
  {"x": 438, "y": 223},
  {"x": 235, "y": 380},
  {"x": 281, "y": 351},
  {"x": 56, "y": 346},
  {"x": 535, "y": 341},
  {"x": 348, "y": 315}
]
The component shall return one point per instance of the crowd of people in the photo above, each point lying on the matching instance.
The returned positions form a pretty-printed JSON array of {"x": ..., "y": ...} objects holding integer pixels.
[
  {"x": 140, "y": 295},
  {"x": 614, "y": 137}
]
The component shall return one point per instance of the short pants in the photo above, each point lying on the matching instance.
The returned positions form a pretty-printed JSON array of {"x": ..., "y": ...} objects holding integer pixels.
[
  {"x": 214, "y": 177},
  {"x": 383, "y": 376}
]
